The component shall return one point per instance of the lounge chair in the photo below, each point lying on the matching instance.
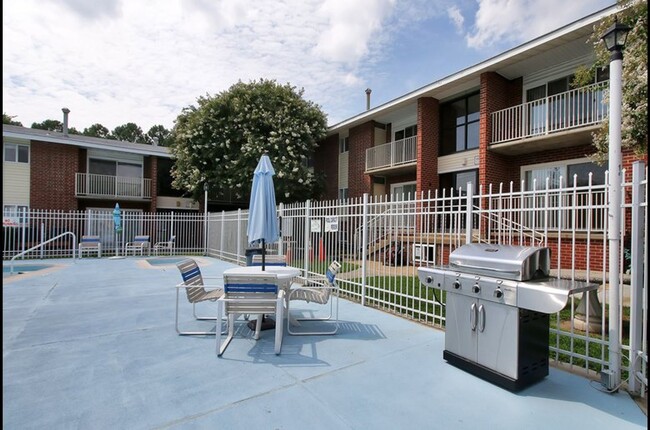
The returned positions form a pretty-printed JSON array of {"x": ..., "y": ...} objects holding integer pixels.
[
  {"x": 250, "y": 294},
  {"x": 90, "y": 244},
  {"x": 319, "y": 290},
  {"x": 166, "y": 245},
  {"x": 196, "y": 292},
  {"x": 140, "y": 243}
]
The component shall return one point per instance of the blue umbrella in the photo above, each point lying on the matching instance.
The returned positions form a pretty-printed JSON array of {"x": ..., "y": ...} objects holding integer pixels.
[
  {"x": 262, "y": 212},
  {"x": 117, "y": 218},
  {"x": 117, "y": 221}
]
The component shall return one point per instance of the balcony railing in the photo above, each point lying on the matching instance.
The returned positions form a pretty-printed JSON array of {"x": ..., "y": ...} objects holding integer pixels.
[
  {"x": 91, "y": 185},
  {"x": 573, "y": 109},
  {"x": 392, "y": 154}
]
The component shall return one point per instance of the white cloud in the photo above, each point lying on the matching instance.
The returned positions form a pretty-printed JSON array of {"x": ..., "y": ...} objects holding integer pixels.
[
  {"x": 139, "y": 61},
  {"x": 516, "y": 21},
  {"x": 456, "y": 17}
]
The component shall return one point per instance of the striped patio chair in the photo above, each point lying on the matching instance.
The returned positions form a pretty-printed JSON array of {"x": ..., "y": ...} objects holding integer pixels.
[
  {"x": 250, "y": 294},
  {"x": 196, "y": 291},
  {"x": 321, "y": 291}
]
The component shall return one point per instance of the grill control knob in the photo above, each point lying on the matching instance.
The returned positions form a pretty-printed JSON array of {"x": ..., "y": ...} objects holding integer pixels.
[
  {"x": 476, "y": 289},
  {"x": 498, "y": 293},
  {"x": 456, "y": 284}
]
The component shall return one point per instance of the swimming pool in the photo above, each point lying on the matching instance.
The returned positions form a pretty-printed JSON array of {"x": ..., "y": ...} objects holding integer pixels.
[
  {"x": 23, "y": 268},
  {"x": 164, "y": 261}
]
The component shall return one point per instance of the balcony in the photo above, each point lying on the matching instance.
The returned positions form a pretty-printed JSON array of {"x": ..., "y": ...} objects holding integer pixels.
[
  {"x": 107, "y": 186},
  {"x": 392, "y": 156},
  {"x": 550, "y": 122}
]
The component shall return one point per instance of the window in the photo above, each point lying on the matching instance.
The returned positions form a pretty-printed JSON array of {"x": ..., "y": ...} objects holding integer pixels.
[
  {"x": 114, "y": 168},
  {"x": 406, "y": 132},
  {"x": 15, "y": 153},
  {"x": 460, "y": 125},
  {"x": 343, "y": 193},
  {"x": 344, "y": 145},
  {"x": 589, "y": 204},
  {"x": 459, "y": 180}
]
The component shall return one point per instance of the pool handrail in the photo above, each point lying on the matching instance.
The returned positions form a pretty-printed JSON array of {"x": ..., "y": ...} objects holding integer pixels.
[{"x": 74, "y": 248}]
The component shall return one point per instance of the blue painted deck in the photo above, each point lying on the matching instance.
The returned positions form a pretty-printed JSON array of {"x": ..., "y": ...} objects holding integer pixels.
[{"x": 92, "y": 344}]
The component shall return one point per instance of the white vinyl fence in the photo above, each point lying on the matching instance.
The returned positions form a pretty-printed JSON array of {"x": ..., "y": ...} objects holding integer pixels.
[{"x": 381, "y": 241}]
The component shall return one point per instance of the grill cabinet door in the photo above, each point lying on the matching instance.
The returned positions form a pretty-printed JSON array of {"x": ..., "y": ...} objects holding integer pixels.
[
  {"x": 460, "y": 337},
  {"x": 498, "y": 330}
]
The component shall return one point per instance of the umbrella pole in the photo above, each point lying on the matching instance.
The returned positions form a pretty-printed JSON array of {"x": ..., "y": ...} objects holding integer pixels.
[{"x": 263, "y": 254}]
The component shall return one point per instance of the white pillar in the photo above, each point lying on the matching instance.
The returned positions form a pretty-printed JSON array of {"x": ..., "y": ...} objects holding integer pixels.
[{"x": 614, "y": 213}]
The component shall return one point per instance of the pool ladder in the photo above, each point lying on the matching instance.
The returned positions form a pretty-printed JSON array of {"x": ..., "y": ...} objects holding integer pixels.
[{"x": 74, "y": 248}]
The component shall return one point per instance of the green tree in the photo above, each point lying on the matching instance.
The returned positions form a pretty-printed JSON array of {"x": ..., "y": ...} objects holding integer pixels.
[
  {"x": 634, "y": 129},
  {"x": 129, "y": 132},
  {"x": 97, "y": 130},
  {"x": 159, "y": 134},
  {"x": 221, "y": 141},
  {"x": 9, "y": 120},
  {"x": 49, "y": 125}
]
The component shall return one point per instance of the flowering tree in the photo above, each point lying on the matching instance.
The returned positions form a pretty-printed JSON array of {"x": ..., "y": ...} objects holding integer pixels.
[
  {"x": 220, "y": 141},
  {"x": 634, "y": 129}
]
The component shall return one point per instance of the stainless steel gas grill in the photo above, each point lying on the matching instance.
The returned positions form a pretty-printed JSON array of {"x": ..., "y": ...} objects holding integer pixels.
[{"x": 499, "y": 298}]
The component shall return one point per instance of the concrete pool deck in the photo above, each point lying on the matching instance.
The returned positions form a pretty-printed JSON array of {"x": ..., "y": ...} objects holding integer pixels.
[{"x": 93, "y": 345}]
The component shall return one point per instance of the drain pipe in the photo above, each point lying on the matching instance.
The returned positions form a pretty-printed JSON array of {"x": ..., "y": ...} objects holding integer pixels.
[{"x": 66, "y": 111}]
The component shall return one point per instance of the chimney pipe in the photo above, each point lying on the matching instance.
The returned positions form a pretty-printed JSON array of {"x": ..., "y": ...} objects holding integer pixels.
[
  {"x": 368, "y": 91},
  {"x": 66, "y": 111}
]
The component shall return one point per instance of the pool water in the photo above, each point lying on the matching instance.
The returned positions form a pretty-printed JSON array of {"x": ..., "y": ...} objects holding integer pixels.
[
  {"x": 22, "y": 268},
  {"x": 164, "y": 261}
]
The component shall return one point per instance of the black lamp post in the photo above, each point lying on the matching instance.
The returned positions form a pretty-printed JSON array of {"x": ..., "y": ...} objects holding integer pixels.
[
  {"x": 614, "y": 39},
  {"x": 205, "y": 217}
]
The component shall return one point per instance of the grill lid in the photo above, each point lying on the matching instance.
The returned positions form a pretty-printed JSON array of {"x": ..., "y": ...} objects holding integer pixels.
[{"x": 520, "y": 263}]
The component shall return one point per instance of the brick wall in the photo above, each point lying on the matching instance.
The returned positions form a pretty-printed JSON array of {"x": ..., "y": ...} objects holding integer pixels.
[
  {"x": 151, "y": 171},
  {"x": 326, "y": 161},
  {"x": 428, "y": 144},
  {"x": 361, "y": 138},
  {"x": 496, "y": 93},
  {"x": 52, "y": 176}
]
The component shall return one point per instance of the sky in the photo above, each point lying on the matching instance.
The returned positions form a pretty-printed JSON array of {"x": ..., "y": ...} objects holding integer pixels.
[{"x": 118, "y": 61}]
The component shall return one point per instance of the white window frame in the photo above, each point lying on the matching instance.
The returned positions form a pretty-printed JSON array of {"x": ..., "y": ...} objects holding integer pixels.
[
  {"x": 562, "y": 164},
  {"x": 17, "y": 146}
]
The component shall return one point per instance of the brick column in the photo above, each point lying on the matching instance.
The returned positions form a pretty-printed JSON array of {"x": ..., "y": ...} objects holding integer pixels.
[
  {"x": 52, "y": 176},
  {"x": 153, "y": 174},
  {"x": 428, "y": 144},
  {"x": 361, "y": 138},
  {"x": 326, "y": 161},
  {"x": 496, "y": 93}
]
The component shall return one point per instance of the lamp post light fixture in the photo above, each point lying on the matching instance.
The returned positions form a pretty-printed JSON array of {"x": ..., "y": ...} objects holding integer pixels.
[
  {"x": 205, "y": 218},
  {"x": 614, "y": 39}
]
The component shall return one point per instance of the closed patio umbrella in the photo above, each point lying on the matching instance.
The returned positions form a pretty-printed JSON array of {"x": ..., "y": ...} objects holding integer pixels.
[{"x": 262, "y": 211}]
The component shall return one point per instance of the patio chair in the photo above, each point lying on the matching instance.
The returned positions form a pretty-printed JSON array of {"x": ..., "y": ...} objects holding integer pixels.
[
  {"x": 270, "y": 260},
  {"x": 196, "y": 292},
  {"x": 250, "y": 294},
  {"x": 140, "y": 243},
  {"x": 90, "y": 244},
  {"x": 166, "y": 245},
  {"x": 318, "y": 291}
]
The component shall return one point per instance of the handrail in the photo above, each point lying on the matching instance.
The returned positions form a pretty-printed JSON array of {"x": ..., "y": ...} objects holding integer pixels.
[{"x": 74, "y": 248}]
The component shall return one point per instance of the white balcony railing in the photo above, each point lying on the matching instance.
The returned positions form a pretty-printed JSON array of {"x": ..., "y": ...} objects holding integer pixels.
[
  {"x": 577, "y": 108},
  {"x": 91, "y": 185},
  {"x": 392, "y": 154}
]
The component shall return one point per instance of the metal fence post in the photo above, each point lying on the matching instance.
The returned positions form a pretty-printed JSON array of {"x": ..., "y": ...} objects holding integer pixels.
[
  {"x": 42, "y": 237},
  {"x": 239, "y": 235},
  {"x": 221, "y": 238},
  {"x": 364, "y": 248},
  {"x": 280, "y": 215},
  {"x": 636, "y": 284},
  {"x": 468, "y": 214},
  {"x": 306, "y": 239}
]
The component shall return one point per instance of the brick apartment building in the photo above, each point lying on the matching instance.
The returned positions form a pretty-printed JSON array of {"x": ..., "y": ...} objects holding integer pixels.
[
  {"x": 60, "y": 171},
  {"x": 514, "y": 117}
]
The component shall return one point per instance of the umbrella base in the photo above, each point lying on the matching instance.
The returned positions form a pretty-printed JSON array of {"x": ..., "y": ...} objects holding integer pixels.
[{"x": 267, "y": 324}]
